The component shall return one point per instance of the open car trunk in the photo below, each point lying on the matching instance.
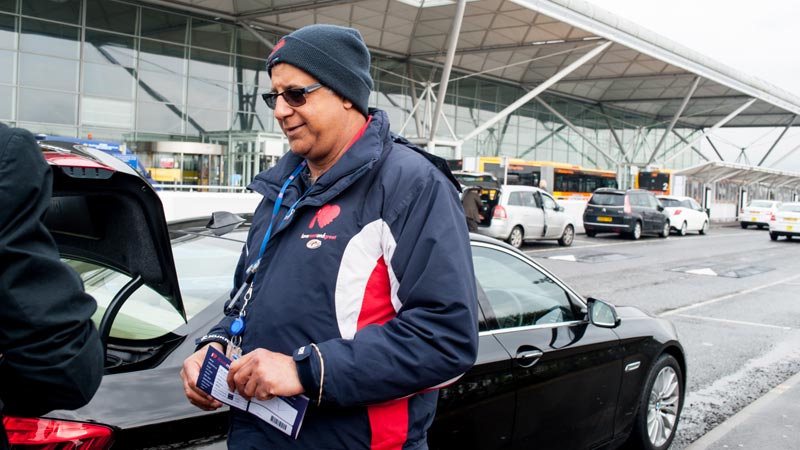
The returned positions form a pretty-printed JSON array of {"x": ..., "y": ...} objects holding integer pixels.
[{"x": 105, "y": 216}]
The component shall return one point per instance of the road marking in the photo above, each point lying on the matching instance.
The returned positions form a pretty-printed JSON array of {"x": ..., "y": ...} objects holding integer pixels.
[
  {"x": 726, "y": 297},
  {"x": 705, "y": 271},
  {"x": 563, "y": 257},
  {"x": 737, "y": 322},
  {"x": 640, "y": 241}
]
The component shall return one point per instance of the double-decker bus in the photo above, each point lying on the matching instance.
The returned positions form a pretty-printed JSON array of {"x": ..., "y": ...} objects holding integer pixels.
[
  {"x": 565, "y": 181},
  {"x": 658, "y": 181}
]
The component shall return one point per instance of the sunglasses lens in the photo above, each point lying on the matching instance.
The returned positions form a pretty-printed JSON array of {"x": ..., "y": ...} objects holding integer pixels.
[
  {"x": 295, "y": 97},
  {"x": 270, "y": 99}
]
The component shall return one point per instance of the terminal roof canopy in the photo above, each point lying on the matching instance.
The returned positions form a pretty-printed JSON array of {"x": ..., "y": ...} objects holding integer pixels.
[{"x": 525, "y": 42}]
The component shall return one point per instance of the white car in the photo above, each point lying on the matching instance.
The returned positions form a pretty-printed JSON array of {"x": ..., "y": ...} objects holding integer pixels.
[
  {"x": 758, "y": 213},
  {"x": 785, "y": 221},
  {"x": 526, "y": 213},
  {"x": 685, "y": 214}
]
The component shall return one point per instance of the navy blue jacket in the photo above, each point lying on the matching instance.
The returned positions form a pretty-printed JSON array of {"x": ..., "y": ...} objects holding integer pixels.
[{"x": 374, "y": 266}]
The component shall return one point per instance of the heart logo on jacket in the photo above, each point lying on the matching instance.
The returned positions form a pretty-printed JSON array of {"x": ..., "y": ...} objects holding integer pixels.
[{"x": 325, "y": 216}]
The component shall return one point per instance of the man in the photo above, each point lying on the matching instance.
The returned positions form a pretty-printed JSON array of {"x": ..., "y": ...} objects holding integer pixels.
[
  {"x": 50, "y": 352},
  {"x": 471, "y": 201},
  {"x": 357, "y": 272}
]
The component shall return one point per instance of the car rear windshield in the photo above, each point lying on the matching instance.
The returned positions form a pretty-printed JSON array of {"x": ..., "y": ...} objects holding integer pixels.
[
  {"x": 484, "y": 181},
  {"x": 670, "y": 203},
  {"x": 790, "y": 207},
  {"x": 760, "y": 204},
  {"x": 607, "y": 199}
]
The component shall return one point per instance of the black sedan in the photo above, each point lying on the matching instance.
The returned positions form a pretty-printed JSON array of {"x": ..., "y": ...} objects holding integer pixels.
[{"x": 553, "y": 370}]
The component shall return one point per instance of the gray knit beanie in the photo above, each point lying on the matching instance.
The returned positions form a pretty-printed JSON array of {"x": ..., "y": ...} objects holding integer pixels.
[{"x": 334, "y": 55}]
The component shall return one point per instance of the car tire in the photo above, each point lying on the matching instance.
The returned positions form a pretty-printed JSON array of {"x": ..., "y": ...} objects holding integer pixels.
[
  {"x": 636, "y": 233},
  {"x": 683, "y": 229},
  {"x": 743, "y": 225},
  {"x": 567, "y": 236},
  {"x": 665, "y": 230},
  {"x": 704, "y": 230},
  {"x": 773, "y": 236},
  {"x": 515, "y": 238},
  {"x": 659, "y": 407},
  {"x": 591, "y": 233}
]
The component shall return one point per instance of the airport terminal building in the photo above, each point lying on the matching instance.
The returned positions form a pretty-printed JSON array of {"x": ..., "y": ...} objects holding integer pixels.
[{"x": 179, "y": 82}]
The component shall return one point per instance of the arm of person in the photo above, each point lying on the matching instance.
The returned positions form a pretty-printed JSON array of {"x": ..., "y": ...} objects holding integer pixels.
[
  {"x": 433, "y": 338},
  {"x": 52, "y": 355}
]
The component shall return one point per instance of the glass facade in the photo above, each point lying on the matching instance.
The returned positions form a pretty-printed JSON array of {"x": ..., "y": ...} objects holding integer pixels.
[{"x": 137, "y": 74}]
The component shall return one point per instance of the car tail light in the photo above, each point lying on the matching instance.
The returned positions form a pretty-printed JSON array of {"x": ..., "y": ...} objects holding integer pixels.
[
  {"x": 499, "y": 212},
  {"x": 677, "y": 212},
  {"x": 48, "y": 434},
  {"x": 772, "y": 217},
  {"x": 627, "y": 208}
]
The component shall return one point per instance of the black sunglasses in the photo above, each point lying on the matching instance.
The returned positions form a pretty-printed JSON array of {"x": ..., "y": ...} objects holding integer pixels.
[{"x": 294, "y": 97}]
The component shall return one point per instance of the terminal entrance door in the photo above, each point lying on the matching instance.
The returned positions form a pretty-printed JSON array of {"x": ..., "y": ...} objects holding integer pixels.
[{"x": 247, "y": 154}]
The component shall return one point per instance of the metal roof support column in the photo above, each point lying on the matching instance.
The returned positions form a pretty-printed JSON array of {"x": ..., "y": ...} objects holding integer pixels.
[
  {"x": 683, "y": 139},
  {"x": 415, "y": 100},
  {"x": 708, "y": 138},
  {"x": 716, "y": 126},
  {"x": 448, "y": 65},
  {"x": 615, "y": 135},
  {"x": 537, "y": 90},
  {"x": 256, "y": 34},
  {"x": 575, "y": 129},
  {"x": 786, "y": 155},
  {"x": 674, "y": 119},
  {"x": 791, "y": 122}
]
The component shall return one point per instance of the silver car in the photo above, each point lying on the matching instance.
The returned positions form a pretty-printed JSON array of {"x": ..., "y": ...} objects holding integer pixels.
[{"x": 526, "y": 213}]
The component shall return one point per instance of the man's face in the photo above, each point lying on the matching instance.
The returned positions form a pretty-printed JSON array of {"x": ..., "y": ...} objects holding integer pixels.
[{"x": 314, "y": 129}]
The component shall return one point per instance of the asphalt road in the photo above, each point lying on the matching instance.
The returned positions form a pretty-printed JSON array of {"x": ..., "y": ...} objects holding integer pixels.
[{"x": 734, "y": 296}]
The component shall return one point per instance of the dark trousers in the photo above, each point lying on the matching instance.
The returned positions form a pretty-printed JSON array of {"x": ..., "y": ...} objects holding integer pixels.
[{"x": 472, "y": 225}]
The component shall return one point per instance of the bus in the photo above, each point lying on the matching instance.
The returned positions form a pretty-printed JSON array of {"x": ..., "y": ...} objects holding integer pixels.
[
  {"x": 657, "y": 181},
  {"x": 564, "y": 181}
]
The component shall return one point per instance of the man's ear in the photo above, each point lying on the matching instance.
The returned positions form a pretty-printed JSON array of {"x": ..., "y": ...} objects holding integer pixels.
[{"x": 347, "y": 104}]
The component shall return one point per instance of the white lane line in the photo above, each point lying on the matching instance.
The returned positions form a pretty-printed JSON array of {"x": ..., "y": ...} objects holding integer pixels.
[
  {"x": 736, "y": 322},
  {"x": 727, "y": 296},
  {"x": 639, "y": 242}
]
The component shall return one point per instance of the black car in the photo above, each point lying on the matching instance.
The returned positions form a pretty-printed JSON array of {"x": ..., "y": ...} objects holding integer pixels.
[
  {"x": 632, "y": 212},
  {"x": 554, "y": 371}
]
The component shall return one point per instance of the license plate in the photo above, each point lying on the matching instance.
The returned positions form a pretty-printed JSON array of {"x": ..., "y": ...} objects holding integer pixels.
[
  {"x": 604, "y": 219},
  {"x": 788, "y": 228},
  {"x": 791, "y": 219},
  {"x": 753, "y": 219}
]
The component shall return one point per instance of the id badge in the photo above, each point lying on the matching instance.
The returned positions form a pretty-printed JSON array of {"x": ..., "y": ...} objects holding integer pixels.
[{"x": 233, "y": 352}]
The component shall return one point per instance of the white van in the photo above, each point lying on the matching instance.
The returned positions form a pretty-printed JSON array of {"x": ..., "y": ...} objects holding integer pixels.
[{"x": 526, "y": 213}]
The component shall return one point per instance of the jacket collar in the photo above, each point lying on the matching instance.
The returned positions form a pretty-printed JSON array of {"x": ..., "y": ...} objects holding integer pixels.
[{"x": 359, "y": 158}]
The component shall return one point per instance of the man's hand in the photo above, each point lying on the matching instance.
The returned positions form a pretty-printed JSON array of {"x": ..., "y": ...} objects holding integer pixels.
[
  {"x": 189, "y": 374},
  {"x": 263, "y": 374}
]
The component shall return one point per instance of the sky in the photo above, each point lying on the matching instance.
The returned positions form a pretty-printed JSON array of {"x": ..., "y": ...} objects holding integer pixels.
[{"x": 757, "y": 38}]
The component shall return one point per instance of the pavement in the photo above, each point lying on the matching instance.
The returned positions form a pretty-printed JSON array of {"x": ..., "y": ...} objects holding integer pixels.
[{"x": 770, "y": 423}]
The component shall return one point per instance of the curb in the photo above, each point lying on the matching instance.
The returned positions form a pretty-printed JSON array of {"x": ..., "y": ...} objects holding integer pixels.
[{"x": 745, "y": 414}]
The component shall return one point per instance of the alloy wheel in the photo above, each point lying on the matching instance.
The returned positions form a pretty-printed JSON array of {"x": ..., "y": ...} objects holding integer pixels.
[{"x": 662, "y": 407}]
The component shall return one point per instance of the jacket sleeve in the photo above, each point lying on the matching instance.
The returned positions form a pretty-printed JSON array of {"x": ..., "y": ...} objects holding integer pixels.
[
  {"x": 433, "y": 339},
  {"x": 52, "y": 355}
]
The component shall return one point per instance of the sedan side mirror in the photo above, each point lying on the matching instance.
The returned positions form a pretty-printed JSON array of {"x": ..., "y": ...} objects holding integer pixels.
[{"x": 602, "y": 314}]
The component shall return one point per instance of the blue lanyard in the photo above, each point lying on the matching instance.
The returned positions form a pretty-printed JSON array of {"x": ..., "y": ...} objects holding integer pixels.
[{"x": 237, "y": 327}]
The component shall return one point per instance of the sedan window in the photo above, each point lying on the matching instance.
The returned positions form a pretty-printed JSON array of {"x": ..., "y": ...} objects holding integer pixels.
[{"x": 518, "y": 293}]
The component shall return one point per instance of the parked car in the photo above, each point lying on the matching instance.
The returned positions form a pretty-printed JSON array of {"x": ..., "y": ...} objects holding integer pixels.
[
  {"x": 685, "y": 214},
  {"x": 554, "y": 370},
  {"x": 526, "y": 213},
  {"x": 489, "y": 190},
  {"x": 785, "y": 221},
  {"x": 758, "y": 213},
  {"x": 631, "y": 212}
]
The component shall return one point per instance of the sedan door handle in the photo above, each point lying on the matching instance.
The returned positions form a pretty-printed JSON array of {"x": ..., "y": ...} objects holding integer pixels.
[{"x": 528, "y": 358}]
